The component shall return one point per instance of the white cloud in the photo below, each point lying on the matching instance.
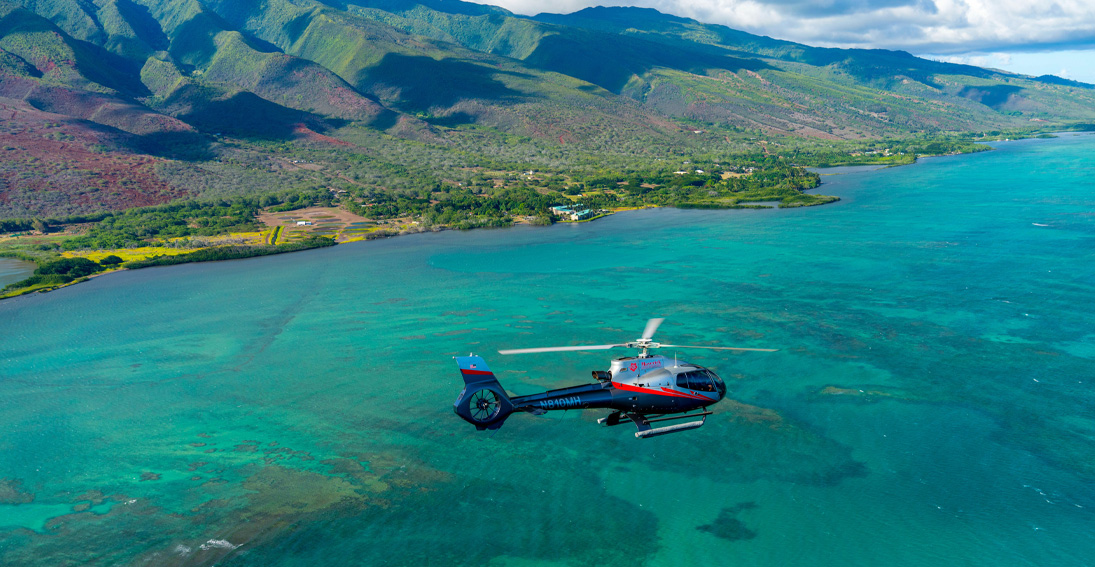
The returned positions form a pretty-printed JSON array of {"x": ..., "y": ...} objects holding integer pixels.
[
  {"x": 938, "y": 26},
  {"x": 1076, "y": 65}
]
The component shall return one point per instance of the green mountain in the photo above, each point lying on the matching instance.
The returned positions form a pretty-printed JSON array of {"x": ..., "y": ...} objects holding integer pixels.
[{"x": 399, "y": 95}]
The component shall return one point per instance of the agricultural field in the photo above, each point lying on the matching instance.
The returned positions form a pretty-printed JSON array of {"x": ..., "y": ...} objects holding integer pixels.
[{"x": 332, "y": 222}]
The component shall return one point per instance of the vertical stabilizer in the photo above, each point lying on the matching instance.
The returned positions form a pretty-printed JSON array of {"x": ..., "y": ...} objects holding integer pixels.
[{"x": 482, "y": 403}]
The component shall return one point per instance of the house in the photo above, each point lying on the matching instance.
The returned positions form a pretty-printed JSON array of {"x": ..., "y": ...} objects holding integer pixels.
[
  {"x": 573, "y": 212},
  {"x": 304, "y": 223}
]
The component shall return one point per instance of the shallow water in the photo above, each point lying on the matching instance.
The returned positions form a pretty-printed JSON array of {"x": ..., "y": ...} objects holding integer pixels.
[
  {"x": 843, "y": 169},
  {"x": 13, "y": 270},
  {"x": 930, "y": 405}
]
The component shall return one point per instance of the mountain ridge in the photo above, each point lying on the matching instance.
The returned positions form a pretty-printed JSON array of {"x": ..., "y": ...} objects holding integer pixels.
[{"x": 417, "y": 94}]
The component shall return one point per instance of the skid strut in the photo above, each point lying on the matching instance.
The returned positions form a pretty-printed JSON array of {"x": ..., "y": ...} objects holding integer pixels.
[{"x": 643, "y": 422}]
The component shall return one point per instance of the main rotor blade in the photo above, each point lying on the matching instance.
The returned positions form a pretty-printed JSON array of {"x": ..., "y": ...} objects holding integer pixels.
[
  {"x": 720, "y": 348},
  {"x": 651, "y": 327},
  {"x": 558, "y": 349}
]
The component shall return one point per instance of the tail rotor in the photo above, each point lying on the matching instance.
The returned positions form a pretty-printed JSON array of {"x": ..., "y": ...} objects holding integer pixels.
[{"x": 482, "y": 403}]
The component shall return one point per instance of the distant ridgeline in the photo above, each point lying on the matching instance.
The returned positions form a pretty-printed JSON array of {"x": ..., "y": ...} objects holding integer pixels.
[{"x": 456, "y": 113}]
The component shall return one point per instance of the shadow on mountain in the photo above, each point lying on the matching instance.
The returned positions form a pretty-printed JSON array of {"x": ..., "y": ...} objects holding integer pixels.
[
  {"x": 144, "y": 25},
  {"x": 611, "y": 61},
  {"x": 184, "y": 146},
  {"x": 45, "y": 43},
  {"x": 17, "y": 64},
  {"x": 193, "y": 41},
  {"x": 874, "y": 65},
  {"x": 993, "y": 96},
  {"x": 247, "y": 115},
  {"x": 452, "y": 120},
  {"x": 425, "y": 83},
  {"x": 1055, "y": 80}
]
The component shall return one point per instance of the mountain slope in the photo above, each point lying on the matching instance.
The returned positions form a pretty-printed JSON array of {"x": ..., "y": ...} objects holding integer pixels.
[
  {"x": 970, "y": 97},
  {"x": 373, "y": 61},
  {"x": 405, "y": 95}
]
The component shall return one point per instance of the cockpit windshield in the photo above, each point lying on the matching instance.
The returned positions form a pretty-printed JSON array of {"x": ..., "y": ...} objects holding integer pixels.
[
  {"x": 718, "y": 382},
  {"x": 698, "y": 380}
]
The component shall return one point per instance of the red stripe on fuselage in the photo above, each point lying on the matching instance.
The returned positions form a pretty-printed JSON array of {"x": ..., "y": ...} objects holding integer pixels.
[
  {"x": 477, "y": 372},
  {"x": 663, "y": 392},
  {"x": 692, "y": 395}
]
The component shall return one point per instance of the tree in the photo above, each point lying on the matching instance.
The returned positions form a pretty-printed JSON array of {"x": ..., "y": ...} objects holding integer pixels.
[
  {"x": 69, "y": 267},
  {"x": 111, "y": 260}
]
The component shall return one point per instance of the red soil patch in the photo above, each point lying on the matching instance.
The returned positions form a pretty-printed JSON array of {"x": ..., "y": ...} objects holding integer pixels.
[
  {"x": 307, "y": 133},
  {"x": 48, "y": 167}
]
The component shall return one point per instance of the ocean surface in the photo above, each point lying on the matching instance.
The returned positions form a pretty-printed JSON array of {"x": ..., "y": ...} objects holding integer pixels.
[{"x": 932, "y": 402}]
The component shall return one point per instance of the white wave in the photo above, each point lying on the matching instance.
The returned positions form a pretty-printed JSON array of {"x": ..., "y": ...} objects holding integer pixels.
[{"x": 217, "y": 544}]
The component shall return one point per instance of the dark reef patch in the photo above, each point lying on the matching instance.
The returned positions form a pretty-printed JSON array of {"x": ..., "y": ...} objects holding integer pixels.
[
  {"x": 727, "y": 526},
  {"x": 11, "y": 492}
]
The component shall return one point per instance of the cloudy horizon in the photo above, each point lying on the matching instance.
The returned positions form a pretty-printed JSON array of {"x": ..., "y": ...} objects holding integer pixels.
[{"x": 1057, "y": 38}]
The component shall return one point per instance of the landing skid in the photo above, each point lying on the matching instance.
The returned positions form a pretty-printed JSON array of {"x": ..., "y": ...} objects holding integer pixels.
[{"x": 643, "y": 422}]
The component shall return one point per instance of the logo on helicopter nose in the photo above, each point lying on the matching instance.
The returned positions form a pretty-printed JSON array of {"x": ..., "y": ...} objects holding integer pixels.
[{"x": 634, "y": 367}]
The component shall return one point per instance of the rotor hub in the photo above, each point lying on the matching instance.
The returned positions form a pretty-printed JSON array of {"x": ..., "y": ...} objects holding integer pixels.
[{"x": 643, "y": 345}]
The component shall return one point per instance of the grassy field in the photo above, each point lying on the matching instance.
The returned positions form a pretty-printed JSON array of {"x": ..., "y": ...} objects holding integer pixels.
[{"x": 172, "y": 247}]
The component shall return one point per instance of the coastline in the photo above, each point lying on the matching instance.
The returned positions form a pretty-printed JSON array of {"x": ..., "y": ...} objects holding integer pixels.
[
  {"x": 270, "y": 241},
  {"x": 203, "y": 255},
  {"x": 215, "y": 254}
]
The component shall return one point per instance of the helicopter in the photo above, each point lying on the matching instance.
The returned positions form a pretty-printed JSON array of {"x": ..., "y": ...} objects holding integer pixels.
[{"x": 647, "y": 390}]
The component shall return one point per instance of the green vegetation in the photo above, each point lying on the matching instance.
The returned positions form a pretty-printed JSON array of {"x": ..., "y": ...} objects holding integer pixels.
[
  {"x": 232, "y": 253},
  {"x": 53, "y": 274},
  {"x": 16, "y": 225},
  {"x": 132, "y": 227},
  {"x": 176, "y": 225}
]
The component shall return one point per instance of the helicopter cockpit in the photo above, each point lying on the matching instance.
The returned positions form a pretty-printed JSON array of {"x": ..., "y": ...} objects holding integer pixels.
[{"x": 702, "y": 380}]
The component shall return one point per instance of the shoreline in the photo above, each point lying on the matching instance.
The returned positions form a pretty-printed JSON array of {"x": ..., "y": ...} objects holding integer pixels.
[
  {"x": 176, "y": 259},
  {"x": 266, "y": 250}
]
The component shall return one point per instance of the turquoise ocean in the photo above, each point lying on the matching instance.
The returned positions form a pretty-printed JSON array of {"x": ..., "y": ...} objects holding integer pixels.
[{"x": 933, "y": 401}]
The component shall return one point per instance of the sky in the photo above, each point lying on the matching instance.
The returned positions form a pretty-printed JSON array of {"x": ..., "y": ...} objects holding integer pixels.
[{"x": 1032, "y": 37}]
